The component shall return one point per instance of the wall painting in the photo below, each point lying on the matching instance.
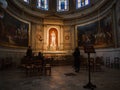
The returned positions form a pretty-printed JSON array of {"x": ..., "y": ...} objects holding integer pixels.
[
  {"x": 99, "y": 33},
  {"x": 13, "y": 32}
]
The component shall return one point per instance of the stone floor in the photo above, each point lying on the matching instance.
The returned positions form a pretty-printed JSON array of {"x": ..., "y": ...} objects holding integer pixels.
[{"x": 62, "y": 78}]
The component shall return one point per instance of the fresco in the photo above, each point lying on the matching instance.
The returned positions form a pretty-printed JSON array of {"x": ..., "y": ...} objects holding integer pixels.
[
  {"x": 99, "y": 33},
  {"x": 13, "y": 32}
]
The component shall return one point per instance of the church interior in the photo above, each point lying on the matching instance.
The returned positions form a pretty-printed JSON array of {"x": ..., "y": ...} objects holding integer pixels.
[{"x": 38, "y": 39}]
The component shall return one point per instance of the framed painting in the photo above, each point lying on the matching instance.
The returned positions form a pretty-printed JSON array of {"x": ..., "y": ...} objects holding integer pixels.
[
  {"x": 14, "y": 32},
  {"x": 99, "y": 33}
]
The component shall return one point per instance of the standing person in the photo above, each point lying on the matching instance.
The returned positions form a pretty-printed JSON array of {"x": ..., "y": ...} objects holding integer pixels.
[
  {"x": 76, "y": 55},
  {"x": 29, "y": 52},
  {"x": 41, "y": 57}
]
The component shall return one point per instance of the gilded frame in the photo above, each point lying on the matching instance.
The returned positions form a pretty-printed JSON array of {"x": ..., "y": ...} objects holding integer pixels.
[
  {"x": 98, "y": 33},
  {"x": 15, "y": 32}
]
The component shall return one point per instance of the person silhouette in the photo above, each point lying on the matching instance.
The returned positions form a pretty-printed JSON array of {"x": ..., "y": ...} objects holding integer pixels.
[
  {"x": 29, "y": 52},
  {"x": 41, "y": 57},
  {"x": 76, "y": 55}
]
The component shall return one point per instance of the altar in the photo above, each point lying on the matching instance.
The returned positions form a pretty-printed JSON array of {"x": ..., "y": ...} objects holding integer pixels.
[{"x": 52, "y": 40}]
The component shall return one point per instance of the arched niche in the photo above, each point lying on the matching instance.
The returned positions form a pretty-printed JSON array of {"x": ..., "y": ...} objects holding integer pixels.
[{"x": 53, "y": 39}]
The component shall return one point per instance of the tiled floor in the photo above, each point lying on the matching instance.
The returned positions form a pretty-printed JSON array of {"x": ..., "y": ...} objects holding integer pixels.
[{"x": 16, "y": 79}]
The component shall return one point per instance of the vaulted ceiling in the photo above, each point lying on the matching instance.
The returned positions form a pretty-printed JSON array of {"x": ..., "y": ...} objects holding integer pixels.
[{"x": 21, "y": 9}]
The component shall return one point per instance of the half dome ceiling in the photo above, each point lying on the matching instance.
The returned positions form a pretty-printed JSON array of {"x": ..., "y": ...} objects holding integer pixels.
[{"x": 20, "y": 6}]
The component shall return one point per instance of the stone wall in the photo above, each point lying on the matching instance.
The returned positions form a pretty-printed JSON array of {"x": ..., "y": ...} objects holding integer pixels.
[
  {"x": 15, "y": 54},
  {"x": 118, "y": 21}
]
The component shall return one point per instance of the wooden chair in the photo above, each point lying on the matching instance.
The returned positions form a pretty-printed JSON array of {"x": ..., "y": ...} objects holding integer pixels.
[
  {"x": 84, "y": 63},
  {"x": 29, "y": 69},
  {"x": 108, "y": 63},
  {"x": 116, "y": 62},
  {"x": 27, "y": 65},
  {"x": 38, "y": 66},
  {"x": 91, "y": 64},
  {"x": 47, "y": 67},
  {"x": 98, "y": 63}
]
